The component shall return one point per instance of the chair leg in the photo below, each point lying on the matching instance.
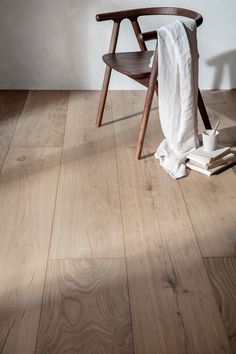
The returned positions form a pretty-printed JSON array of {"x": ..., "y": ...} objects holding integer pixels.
[
  {"x": 143, "y": 126},
  {"x": 156, "y": 89},
  {"x": 103, "y": 97},
  {"x": 152, "y": 87},
  {"x": 203, "y": 111}
]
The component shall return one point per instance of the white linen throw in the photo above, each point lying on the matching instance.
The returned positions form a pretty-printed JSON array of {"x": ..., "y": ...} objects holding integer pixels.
[{"x": 178, "y": 93}]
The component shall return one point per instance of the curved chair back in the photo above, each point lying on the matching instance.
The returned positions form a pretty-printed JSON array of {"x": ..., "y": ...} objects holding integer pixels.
[{"x": 133, "y": 15}]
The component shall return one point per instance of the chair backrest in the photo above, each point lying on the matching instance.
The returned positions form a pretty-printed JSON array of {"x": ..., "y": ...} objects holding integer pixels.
[{"x": 133, "y": 14}]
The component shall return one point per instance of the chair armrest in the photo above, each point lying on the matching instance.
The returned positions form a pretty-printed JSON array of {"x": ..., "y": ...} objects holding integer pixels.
[{"x": 148, "y": 36}]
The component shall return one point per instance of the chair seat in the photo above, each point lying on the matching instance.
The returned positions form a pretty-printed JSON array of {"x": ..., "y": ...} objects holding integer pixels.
[{"x": 133, "y": 64}]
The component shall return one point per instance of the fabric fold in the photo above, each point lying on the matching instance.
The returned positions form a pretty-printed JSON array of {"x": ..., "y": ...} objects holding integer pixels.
[{"x": 178, "y": 94}]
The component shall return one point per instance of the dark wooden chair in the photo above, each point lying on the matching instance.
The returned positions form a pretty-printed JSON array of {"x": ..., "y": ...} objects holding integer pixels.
[{"x": 136, "y": 64}]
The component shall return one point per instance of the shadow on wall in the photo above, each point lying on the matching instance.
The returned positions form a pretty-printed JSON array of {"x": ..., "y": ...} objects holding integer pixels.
[{"x": 224, "y": 64}]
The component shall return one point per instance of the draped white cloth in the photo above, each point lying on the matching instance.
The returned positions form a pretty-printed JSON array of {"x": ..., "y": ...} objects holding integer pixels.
[{"x": 178, "y": 93}]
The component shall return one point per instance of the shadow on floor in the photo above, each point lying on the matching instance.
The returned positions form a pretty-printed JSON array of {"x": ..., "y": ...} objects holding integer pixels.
[{"x": 126, "y": 117}]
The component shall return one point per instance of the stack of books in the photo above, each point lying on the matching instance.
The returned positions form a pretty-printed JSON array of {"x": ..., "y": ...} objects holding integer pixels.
[{"x": 210, "y": 162}]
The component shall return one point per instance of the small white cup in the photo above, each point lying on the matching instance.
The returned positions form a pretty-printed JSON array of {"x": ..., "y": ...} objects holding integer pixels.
[{"x": 209, "y": 139}]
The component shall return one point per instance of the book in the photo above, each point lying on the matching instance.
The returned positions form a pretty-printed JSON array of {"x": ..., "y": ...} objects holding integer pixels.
[
  {"x": 210, "y": 171},
  {"x": 221, "y": 161},
  {"x": 206, "y": 157}
]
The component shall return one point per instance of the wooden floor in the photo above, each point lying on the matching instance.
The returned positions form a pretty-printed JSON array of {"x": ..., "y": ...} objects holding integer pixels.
[{"x": 100, "y": 253}]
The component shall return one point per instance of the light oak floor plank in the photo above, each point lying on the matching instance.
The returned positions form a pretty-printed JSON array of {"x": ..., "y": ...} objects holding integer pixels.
[
  {"x": 211, "y": 202},
  {"x": 130, "y": 119},
  {"x": 172, "y": 304},
  {"x": 172, "y": 301},
  {"x": 222, "y": 272},
  {"x": 86, "y": 308},
  {"x": 11, "y": 106},
  {"x": 221, "y": 106},
  {"x": 28, "y": 189},
  {"x": 43, "y": 121},
  {"x": 87, "y": 219}
]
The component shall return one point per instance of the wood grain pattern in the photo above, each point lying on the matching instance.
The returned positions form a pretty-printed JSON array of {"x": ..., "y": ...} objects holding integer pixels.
[
  {"x": 222, "y": 272},
  {"x": 221, "y": 106},
  {"x": 127, "y": 107},
  {"x": 133, "y": 63},
  {"x": 43, "y": 121},
  {"x": 11, "y": 106},
  {"x": 165, "y": 267},
  {"x": 172, "y": 307},
  {"x": 86, "y": 305},
  {"x": 27, "y": 188},
  {"x": 211, "y": 201},
  {"x": 88, "y": 205},
  {"x": 85, "y": 308}
]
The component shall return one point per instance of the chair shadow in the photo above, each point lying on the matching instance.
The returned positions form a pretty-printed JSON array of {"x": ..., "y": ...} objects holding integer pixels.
[
  {"x": 143, "y": 157},
  {"x": 126, "y": 117},
  {"x": 227, "y": 136},
  {"x": 223, "y": 63}
]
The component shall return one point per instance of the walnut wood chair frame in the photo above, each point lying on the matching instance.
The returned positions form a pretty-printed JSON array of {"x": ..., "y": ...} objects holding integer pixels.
[{"x": 136, "y": 64}]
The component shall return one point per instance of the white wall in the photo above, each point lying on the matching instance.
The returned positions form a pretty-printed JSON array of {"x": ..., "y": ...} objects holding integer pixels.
[{"x": 57, "y": 44}]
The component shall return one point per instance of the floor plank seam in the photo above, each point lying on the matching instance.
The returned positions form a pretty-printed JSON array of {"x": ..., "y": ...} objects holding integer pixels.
[
  {"x": 219, "y": 257},
  {"x": 175, "y": 291},
  {"x": 9, "y": 146},
  {"x": 64, "y": 132},
  {"x": 207, "y": 273},
  {"x": 45, "y": 277},
  {"x": 182, "y": 193},
  {"x": 8, "y": 333},
  {"x": 84, "y": 258},
  {"x": 122, "y": 225},
  {"x": 212, "y": 290},
  {"x": 49, "y": 247}
]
